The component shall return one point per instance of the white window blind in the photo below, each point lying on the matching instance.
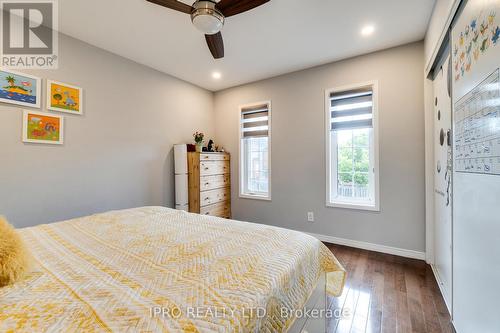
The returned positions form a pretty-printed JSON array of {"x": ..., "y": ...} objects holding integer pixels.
[
  {"x": 255, "y": 121},
  {"x": 352, "y": 110}
]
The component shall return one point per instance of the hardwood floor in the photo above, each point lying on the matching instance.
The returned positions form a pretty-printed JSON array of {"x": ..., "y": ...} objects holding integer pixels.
[{"x": 386, "y": 293}]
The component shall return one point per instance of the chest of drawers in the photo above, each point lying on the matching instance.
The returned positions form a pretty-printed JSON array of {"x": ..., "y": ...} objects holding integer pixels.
[{"x": 209, "y": 184}]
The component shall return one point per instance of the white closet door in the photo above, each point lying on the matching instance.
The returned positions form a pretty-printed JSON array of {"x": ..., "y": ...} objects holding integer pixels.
[
  {"x": 476, "y": 179},
  {"x": 442, "y": 181}
]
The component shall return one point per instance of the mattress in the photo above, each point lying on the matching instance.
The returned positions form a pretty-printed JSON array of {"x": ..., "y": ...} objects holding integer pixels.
[{"x": 155, "y": 269}]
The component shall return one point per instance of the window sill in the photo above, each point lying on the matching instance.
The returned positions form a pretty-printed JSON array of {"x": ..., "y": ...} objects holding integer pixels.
[
  {"x": 354, "y": 206},
  {"x": 255, "y": 197}
]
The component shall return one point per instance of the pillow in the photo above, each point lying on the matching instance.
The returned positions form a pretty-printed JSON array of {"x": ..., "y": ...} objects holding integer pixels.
[{"x": 14, "y": 256}]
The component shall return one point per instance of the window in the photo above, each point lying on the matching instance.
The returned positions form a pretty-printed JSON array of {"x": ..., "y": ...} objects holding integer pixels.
[
  {"x": 352, "y": 148},
  {"x": 255, "y": 130}
]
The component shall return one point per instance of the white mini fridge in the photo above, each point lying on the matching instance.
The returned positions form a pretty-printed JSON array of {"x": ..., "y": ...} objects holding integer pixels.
[{"x": 181, "y": 177}]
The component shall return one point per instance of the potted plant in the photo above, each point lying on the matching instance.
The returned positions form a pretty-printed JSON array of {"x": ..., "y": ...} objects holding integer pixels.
[{"x": 198, "y": 139}]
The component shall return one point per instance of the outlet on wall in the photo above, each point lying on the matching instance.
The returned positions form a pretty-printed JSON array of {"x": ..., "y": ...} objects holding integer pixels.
[{"x": 310, "y": 216}]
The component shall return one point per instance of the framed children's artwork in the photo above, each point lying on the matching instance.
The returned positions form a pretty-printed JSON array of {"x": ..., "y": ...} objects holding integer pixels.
[
  {"x": 41, "y": 127},
  {"x": 20, "y": 89},
  {"x": 64, "y": 97}
]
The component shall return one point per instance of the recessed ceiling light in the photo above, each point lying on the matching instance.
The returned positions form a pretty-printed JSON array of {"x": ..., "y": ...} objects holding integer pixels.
[
  {"x": 368, "y": 30},
  {"x": 216, "y": 75}
]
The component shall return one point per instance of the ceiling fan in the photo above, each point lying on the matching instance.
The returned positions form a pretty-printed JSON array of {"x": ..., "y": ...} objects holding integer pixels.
[{"x": 208, "y": 16}]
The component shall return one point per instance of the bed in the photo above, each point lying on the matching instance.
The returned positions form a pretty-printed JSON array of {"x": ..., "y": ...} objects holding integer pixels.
[{"x": 155, "y": 269}]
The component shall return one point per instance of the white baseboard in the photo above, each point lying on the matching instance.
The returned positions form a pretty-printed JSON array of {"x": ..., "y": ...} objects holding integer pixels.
[
  {"x": 440, "y": 285},
  {"x": 371, "y": 247}
]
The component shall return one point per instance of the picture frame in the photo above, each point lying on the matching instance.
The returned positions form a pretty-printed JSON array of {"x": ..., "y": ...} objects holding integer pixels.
[
  {"x": 20, "y": 89},
  {"x": 42, "y": 127},
  {"x": 64, "y": 97}
]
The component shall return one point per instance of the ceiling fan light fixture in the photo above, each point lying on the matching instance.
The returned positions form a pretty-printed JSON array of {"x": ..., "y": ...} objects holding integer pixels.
[{"x": 206, "y": 17}]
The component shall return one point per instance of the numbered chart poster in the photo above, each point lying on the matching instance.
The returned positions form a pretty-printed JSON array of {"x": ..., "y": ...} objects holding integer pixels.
[{"x": 477, "y": 128}]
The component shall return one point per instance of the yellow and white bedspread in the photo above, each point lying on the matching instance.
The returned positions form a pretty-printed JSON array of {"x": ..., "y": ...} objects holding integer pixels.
[{"x": 116, "y": 272}]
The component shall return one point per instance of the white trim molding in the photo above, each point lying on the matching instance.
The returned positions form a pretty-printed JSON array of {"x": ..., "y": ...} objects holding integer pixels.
[
  {"x": 370, "y": 246},
  {"x": 429, "y": 169},
  {"x": 241, "y": 193},
  {"x": 374, "y": 151},
  {"x": 440, "y": 285},
  {"x": 435, "y": 48}
]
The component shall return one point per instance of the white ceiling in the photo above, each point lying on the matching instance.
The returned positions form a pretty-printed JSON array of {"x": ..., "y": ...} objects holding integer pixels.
[{"x": 279, "y": 37}]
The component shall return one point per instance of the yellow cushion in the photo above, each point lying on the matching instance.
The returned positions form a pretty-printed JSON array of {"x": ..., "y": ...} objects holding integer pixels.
[{"x": 14, "y": 256}]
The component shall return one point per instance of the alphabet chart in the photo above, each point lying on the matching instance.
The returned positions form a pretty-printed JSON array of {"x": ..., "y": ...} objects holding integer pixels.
[{"x": 477, "y": 128}]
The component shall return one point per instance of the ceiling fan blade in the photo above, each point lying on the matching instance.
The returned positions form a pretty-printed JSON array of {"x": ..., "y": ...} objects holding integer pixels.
[
  {"x": 216, "y": 45},
  {"x": 233, "y": 7},
  {"x": 173, "y": 4}
]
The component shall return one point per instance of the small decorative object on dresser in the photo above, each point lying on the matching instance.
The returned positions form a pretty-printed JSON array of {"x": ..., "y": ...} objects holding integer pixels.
[
  {"x": 208, "y": 190},
  {"x": 210, "y": 146},
  {"x": 198, "y": 138}
]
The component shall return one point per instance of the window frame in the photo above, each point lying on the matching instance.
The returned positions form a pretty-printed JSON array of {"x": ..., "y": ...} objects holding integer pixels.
[
  {"x": 331, "y": 156},
  {"x": 241, "y": 156}
]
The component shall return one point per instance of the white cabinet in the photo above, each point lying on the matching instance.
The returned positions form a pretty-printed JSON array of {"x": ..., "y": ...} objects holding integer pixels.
[{"x": 181, "y": 177}]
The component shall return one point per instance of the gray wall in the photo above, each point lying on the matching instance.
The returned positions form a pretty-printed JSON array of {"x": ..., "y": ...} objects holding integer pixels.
[
  {"x": 298, "y": 148},
  {"x": 117, "y": 155}
]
